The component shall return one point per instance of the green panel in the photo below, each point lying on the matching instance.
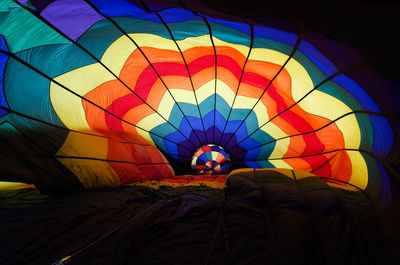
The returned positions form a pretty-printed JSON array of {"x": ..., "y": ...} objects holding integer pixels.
[
  {"x": 230, "y": 35},
  {"x": 22, "y": 30},
  {"x": 99, "y": 37},
  {"x": 272, "y": 45},
  {"x": 27, "y": 92},
  {"x": 366, "y": 126},
  {"x": 57, "y": 59},
  {"x": 317, "y": 76},
  {"x": 374, "y": 176},
  {"x": 196, "y": 28}
]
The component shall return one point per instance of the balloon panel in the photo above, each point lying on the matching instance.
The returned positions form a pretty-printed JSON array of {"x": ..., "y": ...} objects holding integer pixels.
[{"x": 181, "y": 81}]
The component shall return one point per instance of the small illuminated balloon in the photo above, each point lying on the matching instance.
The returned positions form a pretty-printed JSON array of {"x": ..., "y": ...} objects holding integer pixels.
[{"x": 211, "y": 159}]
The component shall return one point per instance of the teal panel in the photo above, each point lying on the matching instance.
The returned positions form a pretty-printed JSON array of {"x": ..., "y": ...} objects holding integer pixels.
[
  {"x": 27, "y": 92},
  {"x": 22, "y": 30}
]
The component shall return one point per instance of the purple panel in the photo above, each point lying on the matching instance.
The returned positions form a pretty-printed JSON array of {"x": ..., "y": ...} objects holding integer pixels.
[{"x": 72, "y": 17}]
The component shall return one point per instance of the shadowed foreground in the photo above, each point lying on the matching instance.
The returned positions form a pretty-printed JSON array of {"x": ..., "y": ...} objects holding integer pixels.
[{"x": 254, "y": 220}]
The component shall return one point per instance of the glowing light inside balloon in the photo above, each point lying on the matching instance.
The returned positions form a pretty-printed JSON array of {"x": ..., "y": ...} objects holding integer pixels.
[{"x": 211, "y": 159}]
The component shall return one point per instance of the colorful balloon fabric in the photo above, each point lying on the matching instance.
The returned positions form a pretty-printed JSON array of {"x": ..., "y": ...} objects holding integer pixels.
[
  {"x": 211, "y": 159},
  {"x": 182, "y": 80}
]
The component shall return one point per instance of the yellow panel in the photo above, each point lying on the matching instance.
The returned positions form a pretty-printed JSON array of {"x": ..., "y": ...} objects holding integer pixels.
[
  {"x": 301, "y": 82},
  {"x": 182, "y": 95},
  {"x": 192, "y": 42},
  {"x": 322, "y": 104},
  {"x": 280, "y": 148},
  {"x": 280, "y": 164},
  {"x": 350, "y": 130},
  {"x": 359, "y": 170},
  {"x": 242, "y": 102},
  {"x": 224, "y": 91},
  {"x": 155, "y": 41},
  {"x": 69, "y": 106},
  {"x": 117, "y": 53},
  {"x": 262, "y": 113},
  {"x": 214, "y": 155},
  {"x": 240, "y": 48},
  {"x": 205, "y": 91},
  {"x": 146, "y": 136},
  {"x": 92, "y": 173},
  {"x": 166, "y": 105},
  {"x": 149, "y": 123},
  {"x": 267, "y": 55},
  {"x": 273, "y": 130},
  {"x": 83, "y": 145}
]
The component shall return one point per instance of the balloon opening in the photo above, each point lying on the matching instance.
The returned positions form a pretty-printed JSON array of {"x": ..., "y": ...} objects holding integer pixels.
[{"x": 211, "y": 159}]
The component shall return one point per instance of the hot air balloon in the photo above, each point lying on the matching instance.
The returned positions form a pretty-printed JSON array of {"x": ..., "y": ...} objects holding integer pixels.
[{"x": 104, "y": 94}]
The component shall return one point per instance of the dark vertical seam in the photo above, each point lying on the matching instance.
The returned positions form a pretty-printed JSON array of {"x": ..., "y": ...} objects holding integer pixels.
[
  {"x": 97, "y": 60},
  {"x": 215, "y": 73},
  {"x": 299, "y": 39},
  {"x": 154, "y": 69},
  {"x": 240, "y": 80},
  {"x": 190, "y": 76}
]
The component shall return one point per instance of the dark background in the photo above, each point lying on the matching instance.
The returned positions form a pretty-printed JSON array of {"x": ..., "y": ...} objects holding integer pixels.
[{"x": 371, "y": 27}]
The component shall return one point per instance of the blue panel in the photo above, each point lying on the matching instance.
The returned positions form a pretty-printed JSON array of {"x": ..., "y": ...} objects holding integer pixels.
[
  {"x": 383, "y": 136},
  {"x": 178, "y": 138},
  {"x": 177, "y": 15},
  {"x": 253, "y": 154},
  {"x": 241, "y": 133},
  {"x": 171, "y": 148},
  {"x": 122, "y": 8},
  {"x": 206, "y": 109},
  {"x": 208, "y": 120},
  {"x": 195, "y": 122},
  {"x": 235, "y": 25},
  {"x": 175, "y": 117},
  {"x": 3, "y": 61},
  {"x": 274, "y": 34},
  {"x": 219, "y": 121},
  {"x": 357, "y": 92},
  {"x": 252, "y": 164},
  {"x": 317, "y": 58},
  {"x": 232, "y": 126},
  {"x": 249, "y": 143},
  {"x": 186, "y": 130}
]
